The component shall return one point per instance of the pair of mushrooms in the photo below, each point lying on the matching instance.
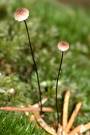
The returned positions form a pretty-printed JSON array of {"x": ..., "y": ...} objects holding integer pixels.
[{"x": 21, "y": 15}]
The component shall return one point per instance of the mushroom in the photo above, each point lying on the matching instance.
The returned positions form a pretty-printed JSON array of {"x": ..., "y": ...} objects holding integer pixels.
[
  {"x": 62, "y": 46},
  {"x": 20, "y": 15}
]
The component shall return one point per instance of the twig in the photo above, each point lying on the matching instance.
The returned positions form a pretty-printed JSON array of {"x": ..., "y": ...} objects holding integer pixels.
[
  {"x": 80, "y": 129},
  {"x": 17, "y": 109},
  {"x": 44, "y": 125},
  {"x": 65, "y": 109},
  {"x": 73, "y": 116},
  {"x": 59, "y": 131},
  {"x": 26, "y": 109}
]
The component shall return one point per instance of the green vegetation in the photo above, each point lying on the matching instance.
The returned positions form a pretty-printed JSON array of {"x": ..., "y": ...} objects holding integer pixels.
[
  {"x": 17, "y": 124},
  {"x": 49, "y": 22}
]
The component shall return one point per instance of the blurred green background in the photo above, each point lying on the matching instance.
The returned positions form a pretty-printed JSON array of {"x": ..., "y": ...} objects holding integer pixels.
[{"x": 49, "y": 22}]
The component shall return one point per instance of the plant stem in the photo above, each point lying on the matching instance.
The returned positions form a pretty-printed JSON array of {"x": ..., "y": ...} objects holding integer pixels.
[
  {"x": 59, "y": 72},
  {"x": 30, "y": 46}
]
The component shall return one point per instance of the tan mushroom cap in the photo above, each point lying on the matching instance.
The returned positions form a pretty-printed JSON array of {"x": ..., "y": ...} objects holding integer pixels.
[
  {"x": 21, "y": 14},
  {"x": 63, "y": 46}
]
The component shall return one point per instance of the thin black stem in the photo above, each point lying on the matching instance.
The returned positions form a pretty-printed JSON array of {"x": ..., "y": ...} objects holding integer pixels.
[
  {"x": 59, "y": 72},
  {"x": 30, "y": 46}
]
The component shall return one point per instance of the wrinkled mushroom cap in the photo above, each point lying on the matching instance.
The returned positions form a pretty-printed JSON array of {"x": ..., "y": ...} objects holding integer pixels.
[
  {"x": 21, "y": 14},
  {"x": 63, "y": 46}
]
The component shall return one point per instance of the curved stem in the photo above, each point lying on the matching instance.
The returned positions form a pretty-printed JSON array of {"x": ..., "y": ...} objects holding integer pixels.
[
  {"x": 59, "y": 72},
  {"x": 30, "y": 46}
]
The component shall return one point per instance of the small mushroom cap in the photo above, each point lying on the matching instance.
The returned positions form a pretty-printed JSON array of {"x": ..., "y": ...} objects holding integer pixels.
[
  {"x": 63, "y": 46},
  {"x": 21, "y": 14}
]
